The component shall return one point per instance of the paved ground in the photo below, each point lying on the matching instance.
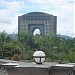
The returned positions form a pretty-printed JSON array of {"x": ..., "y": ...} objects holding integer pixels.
[{"x": 33, "y": 64}]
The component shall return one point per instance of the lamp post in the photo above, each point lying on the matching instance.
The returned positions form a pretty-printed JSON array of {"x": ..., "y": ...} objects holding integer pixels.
[{"x": 39, "y": 57}]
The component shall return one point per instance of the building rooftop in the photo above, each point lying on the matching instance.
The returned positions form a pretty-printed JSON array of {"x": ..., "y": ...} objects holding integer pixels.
[{"x": 37, "y": 14}]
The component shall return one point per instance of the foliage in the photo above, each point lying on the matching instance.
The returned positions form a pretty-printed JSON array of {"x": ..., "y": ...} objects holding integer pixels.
[
  {"x": 71, "y": 57},
  {"x": 25, "y": 45}
]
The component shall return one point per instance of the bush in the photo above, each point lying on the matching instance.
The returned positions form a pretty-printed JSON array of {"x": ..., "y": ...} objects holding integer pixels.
[
  {"x": 71, "y": 57},
  {"x": 15, "y": 57}
]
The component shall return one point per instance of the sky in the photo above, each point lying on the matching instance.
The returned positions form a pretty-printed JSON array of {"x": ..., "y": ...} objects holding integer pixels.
[{"x": 63, "y": 9}]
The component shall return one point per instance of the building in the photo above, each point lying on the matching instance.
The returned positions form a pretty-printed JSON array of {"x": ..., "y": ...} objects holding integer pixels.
[{"x": 46, "y": 23}]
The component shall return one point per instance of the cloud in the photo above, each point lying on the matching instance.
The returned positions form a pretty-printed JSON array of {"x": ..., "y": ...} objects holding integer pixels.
[
  {"x": 70, "y": 1},
  {"x": 13, "y": 6},
  {"x": 7, "y": 27},
  {"x": 9, "y": 15},
  {"x": 1, "y": 1},
  {"x": 54, "y": 2}
]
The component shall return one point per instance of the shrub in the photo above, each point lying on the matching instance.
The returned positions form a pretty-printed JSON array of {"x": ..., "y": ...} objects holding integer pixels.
[{"x": 15, "y": 57}]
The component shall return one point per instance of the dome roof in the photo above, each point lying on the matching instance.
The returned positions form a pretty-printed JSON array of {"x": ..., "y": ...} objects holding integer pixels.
[{"x": 37, "y": 14}]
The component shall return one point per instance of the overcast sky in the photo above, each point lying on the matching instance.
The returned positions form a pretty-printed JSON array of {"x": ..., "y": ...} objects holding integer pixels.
[{"x": 63, "y": 9}]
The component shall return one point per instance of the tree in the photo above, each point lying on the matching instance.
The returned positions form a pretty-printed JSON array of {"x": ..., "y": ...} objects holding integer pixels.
[
  {"x": 22, "y": 38},
  {"x": 2, "y": 42}
]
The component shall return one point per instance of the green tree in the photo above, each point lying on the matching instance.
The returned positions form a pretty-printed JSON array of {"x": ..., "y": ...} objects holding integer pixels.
[
  {"x": 22, "y": 39},
  {"x": 2, "y": 42}
]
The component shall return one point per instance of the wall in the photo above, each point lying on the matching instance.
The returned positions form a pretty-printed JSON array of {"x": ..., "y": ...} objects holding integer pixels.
[{"x": 39, "y": 71}]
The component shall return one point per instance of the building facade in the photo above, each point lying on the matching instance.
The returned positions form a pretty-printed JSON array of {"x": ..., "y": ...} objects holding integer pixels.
[{"x": 46, "y": 23}]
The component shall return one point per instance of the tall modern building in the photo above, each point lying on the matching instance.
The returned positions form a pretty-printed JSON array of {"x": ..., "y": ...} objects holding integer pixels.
[{"x": 46, "y": 23}]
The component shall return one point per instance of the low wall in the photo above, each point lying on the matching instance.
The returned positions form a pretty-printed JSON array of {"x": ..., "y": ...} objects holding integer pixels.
[
  {"x": 61, "y": 71},
  {"x": 47, "y": 68},
  {"x": 39, "y": 71},
  {"x": 27, "y": 71}
]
